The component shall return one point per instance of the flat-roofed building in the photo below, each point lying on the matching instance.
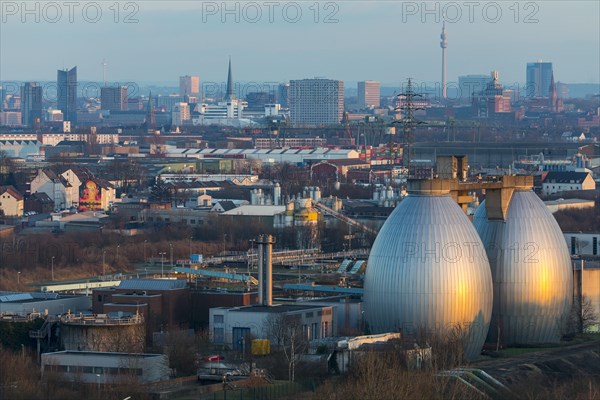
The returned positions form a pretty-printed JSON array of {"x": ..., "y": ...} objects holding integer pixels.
[
  {"x": 114, "y": 98},
  {"x": 234, "y": 326},
  {"x": 106, "y": 368},
  {"x": 368, "y": 94},
  {"x": 316, "y": 102}
]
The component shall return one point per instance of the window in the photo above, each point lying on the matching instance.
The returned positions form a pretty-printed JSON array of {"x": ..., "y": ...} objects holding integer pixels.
[
  {"x": 193, "y": 221},
  {"x": 595, "y": 245},
  {"x": 573, "y": 245},
  {"x": 218, "y": 319},
  {"x": 309, "y": 314},
  {"x": 99, "y": 297}
]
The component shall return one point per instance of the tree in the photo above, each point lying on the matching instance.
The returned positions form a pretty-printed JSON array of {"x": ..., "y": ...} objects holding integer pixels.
[
  {"x": 589, "y": 316},
  {"x": 286, "y": 333},
  {"x": 161, "y": 191}
]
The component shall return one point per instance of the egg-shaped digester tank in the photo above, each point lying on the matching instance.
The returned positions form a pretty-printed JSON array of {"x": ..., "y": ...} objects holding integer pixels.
[
  {"x": 428, "y": 270},
  {"x": 531, "y": 271}
]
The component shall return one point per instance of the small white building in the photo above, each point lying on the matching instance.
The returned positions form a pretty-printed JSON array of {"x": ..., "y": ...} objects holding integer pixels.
[
  {"x": 233, "y": 326},
  {"x": 56, "y": 187},
  {"x": 11, "y": 202},
  {"x": 107, "y": 368},
  {"x": 556, "y": 182}
]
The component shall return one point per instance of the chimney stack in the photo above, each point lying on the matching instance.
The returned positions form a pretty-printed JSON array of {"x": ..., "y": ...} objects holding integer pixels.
[{"x": 265, "y": 269}]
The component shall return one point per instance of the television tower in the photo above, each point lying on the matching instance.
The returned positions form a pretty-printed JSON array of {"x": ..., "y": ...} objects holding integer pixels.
[
  {"x": 443, "y": 45},
  {"x": 104, "y": 65}
]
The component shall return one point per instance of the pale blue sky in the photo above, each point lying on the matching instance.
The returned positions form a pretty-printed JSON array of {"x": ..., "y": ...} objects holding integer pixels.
[{"x": 381, "y": 40}]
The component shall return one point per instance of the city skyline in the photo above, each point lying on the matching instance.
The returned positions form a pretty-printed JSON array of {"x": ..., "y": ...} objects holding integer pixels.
[{"x": 282, "y": 51}]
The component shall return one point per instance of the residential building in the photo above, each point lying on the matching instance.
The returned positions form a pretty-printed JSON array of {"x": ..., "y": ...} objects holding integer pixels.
[
  {"x": 368, "y": 94},
  {"x": 67, "y": 94},
  {"x": 31, "y": 104},
  {"x": 39, "y": 202},
  {"x": 316, "y": 102},
  {"x": 94, "y": 194},
  {"x": 56, "y": 187},
  {"x": 559, "y": 181},
  {"x": 114, "y": 98},
  {"x": 11, "y": 202}
]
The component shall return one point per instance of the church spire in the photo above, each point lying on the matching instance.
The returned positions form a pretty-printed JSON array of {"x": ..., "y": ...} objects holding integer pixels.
[{"x": 230, "y": 94}]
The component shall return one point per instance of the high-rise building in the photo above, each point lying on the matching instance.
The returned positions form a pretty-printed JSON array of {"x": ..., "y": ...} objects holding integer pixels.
[
  {"x": 368, "y": 94},
  {"x": 189, "y": 86},
  {"x": 113, "y": 98},
  {"x": 471, "y": 86},
  {"x": 31, "y": 104},
  {"x": 539, "y": 79},
  {"x": 2, "y": 97},
  {"x": 283, "y": 94},
  {"x": 67, "y": 93},
  {"x": 315, "y": 102},
  {"x": 492, "y": 100},
  {"x": 180, "y": 114}
]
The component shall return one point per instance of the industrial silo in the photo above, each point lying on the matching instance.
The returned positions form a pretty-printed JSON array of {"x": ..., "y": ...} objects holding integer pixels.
[
  {"x": 428, "y": 270},
  {"x": 531, "y": 270}
]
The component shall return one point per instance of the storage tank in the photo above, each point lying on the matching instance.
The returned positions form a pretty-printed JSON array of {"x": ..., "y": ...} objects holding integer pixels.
[
  {"x": 277, "y": 194},
  {"x": 428, "y": 270},
  {"x": 531, "y": 270}
]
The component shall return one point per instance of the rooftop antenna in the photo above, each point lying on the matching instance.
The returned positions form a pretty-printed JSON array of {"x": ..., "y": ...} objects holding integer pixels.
[{"x": 104, "y": 66}]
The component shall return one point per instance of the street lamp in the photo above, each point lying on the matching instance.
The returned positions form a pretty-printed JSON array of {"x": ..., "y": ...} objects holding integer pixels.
[
  {"x": 171, "y": 246},
  {"x": 19, "y": 278},
  {"x": 162, "y": 263},
  {"x": 103, "y": 262},
  {"x": 145, "y": 241},
  {"x": 191, "y": 237},
  {"x": 52, "y": 268},
  {"x": 117, "y": 258},
  {"x": 224, "y": 237}
]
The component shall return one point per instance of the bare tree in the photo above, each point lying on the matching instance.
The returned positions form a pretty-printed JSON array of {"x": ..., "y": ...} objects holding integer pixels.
[
  {"x": 286, "y": 332},
  {"x": 589, "y": 316}
]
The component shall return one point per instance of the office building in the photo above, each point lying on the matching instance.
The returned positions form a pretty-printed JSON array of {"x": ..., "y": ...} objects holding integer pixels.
[
  {"x": 67, "y": 93},
  {"x": 180, "y": 114},
  {"x": 31, "y": 104},
  {"x": 189, "y": 86},
  {"x": 539, "y": 79},
  {"x": 316, "y": 102},
  {"x": 471, "y": 86},
  {"x": 368, "y": 94},
  {"x": 283, "y": 94},
  {"x": 114, "y": 98}
]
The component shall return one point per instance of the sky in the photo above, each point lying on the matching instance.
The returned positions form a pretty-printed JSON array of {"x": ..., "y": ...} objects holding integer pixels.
[{"x": 273, "y": 41}]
